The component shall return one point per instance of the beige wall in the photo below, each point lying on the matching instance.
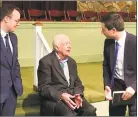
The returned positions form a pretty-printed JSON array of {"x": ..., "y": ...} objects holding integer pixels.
[{"x": 87, "y": 40}]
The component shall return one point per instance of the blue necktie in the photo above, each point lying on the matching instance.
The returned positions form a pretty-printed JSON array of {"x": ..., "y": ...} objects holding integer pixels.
[
  {"x": 114, "y": 65},
  {"x": 9, "y": 53}
]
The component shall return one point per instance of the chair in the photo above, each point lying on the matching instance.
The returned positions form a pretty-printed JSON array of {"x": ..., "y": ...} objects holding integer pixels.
[
  {"x": 90, "y": 16},
  {"x": 125, "y": 16},
  {"x": 74, "y": 15},
  {"x": 133, "y": 16},
  {"x": 37, "y": 15},
  {"x": 101, "y": 14},
  {"x": 57, "y": 15},
  {"x": 23, "y": 17}
]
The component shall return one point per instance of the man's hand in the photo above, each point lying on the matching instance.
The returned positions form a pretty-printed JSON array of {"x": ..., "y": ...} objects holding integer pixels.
[
  {"x": 78, "y": 100},
  {"x": 67, "y": 99},
  {"x": 108, "y": 93},
  {"x": 128, "y": 93}
]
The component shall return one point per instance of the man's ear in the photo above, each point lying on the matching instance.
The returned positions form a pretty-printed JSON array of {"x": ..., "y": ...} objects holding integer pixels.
[
  {"x": 6, "y": 19},
  {"x": 114, "y": 29},
  {"x": 56, "y": 48}
]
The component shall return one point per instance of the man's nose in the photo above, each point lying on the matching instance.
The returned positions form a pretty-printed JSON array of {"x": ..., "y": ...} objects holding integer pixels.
[
  {"x": 18, "y": 24},
  {"x": 69, "y": 45}
]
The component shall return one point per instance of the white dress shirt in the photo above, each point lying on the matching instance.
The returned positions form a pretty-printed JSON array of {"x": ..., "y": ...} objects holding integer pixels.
[
  {"x": 65, "y": 68},
  {"x": 3, "y": 34},
  {"x": 119, "y": 70}
]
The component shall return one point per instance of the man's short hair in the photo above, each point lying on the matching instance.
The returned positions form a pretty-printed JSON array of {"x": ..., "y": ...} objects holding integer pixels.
[
  {"x": 113, "y": 20},
  {"x": 6, "y": 10},
  {"x": 58, "y": 40}
]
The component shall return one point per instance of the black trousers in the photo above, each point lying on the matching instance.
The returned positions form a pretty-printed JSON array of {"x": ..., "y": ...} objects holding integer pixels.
[
  {"x": 61, "y": 109},
  {"x": 119, "y": 85},
  {"x": 8, "y": 107}
]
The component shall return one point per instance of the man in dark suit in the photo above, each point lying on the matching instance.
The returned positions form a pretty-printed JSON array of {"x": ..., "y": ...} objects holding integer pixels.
[
  {"x": 119, "y": 66},
  {"x": 10, "y": 78},
  {"x": 59, "y": 85}
]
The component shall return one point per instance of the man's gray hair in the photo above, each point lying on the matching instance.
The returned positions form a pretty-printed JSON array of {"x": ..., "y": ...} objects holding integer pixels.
[{"x": 58, "y": 39}]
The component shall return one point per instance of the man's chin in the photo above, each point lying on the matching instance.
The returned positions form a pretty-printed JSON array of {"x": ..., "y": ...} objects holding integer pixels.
[
  {"x": 68, "y": 54},
  {"x": 12, "y": 30},
  {"x": 109, "y": 37}
]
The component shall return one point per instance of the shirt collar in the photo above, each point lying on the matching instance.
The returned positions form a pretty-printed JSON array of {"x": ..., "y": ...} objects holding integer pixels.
[
  {"x": 3, "y": 34},
  {"x": 121, "y": 41},
  {"x": 63, "y": 61}
]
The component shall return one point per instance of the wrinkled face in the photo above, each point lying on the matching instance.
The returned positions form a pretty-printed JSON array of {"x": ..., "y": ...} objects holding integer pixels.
[
  {"x": 64, "y": 48},
  {"x": 12, "y": 21},
  {"x": 106, "y": 32}
]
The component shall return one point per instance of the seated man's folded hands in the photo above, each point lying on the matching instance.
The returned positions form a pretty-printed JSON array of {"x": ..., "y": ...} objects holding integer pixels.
[
  {"x": 68, "y": 99},
  {"x": 78, "y": 100}
]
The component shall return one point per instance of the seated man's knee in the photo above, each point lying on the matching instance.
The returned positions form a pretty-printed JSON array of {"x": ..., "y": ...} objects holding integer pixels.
[{"x": 61, "y": 109}]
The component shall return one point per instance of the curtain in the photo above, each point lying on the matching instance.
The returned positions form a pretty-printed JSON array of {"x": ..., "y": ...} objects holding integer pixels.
[{"x": 44, "y": 5}]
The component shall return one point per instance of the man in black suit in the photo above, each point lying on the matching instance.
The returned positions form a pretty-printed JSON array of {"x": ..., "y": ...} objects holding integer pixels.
[
  {"x": 120, "y": 63},
  {"x": 59, "y": 85},
  {"x": 10, "y": 78}
]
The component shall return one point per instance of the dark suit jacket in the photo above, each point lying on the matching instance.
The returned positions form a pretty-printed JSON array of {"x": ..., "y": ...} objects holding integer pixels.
[
  {"x": 9, "y": 72},
  {"x": 130, "y": 61},
  {"x": 51, "y": 79}
]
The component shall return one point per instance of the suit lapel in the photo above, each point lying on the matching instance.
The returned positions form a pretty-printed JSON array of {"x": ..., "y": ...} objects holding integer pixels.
[
  {"x": 57, "y": 65},
  {"x": 4, "y": 50},
  {"x": 13, "y": 45},
  {"x": 126, "y": 49},
  {"x": 70, "y": 71},
  {"x": 112, "y": 51}
]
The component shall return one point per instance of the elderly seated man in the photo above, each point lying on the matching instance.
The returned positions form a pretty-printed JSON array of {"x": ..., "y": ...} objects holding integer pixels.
[{"x": 59, "y": 85}]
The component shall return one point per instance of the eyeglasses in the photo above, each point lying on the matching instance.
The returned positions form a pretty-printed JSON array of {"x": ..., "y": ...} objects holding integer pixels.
[{"x": 17, "y": 21}]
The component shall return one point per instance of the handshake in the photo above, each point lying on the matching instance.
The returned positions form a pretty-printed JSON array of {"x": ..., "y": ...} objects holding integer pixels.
[{"x": 73, "y": 101}]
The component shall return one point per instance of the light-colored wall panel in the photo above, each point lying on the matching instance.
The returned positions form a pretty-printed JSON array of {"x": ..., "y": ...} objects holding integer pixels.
[{"x": 87, "y": 40}]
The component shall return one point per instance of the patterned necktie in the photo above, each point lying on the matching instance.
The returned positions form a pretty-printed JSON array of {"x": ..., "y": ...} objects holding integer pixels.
[
  {"x": 114, "y": 67},
  {"x": 62, "y": 65},
  {"x": 8, "y": 48}
]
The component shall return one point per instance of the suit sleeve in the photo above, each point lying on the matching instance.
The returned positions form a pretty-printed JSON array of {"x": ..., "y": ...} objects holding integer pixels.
[
  {"x": 44, "y": 82},
  {"x": 134, "y": 64},
  {"x": 78, "y": 87},
  {"x": 17, "y": 70},
  {"x": 106, "y": 67}
]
